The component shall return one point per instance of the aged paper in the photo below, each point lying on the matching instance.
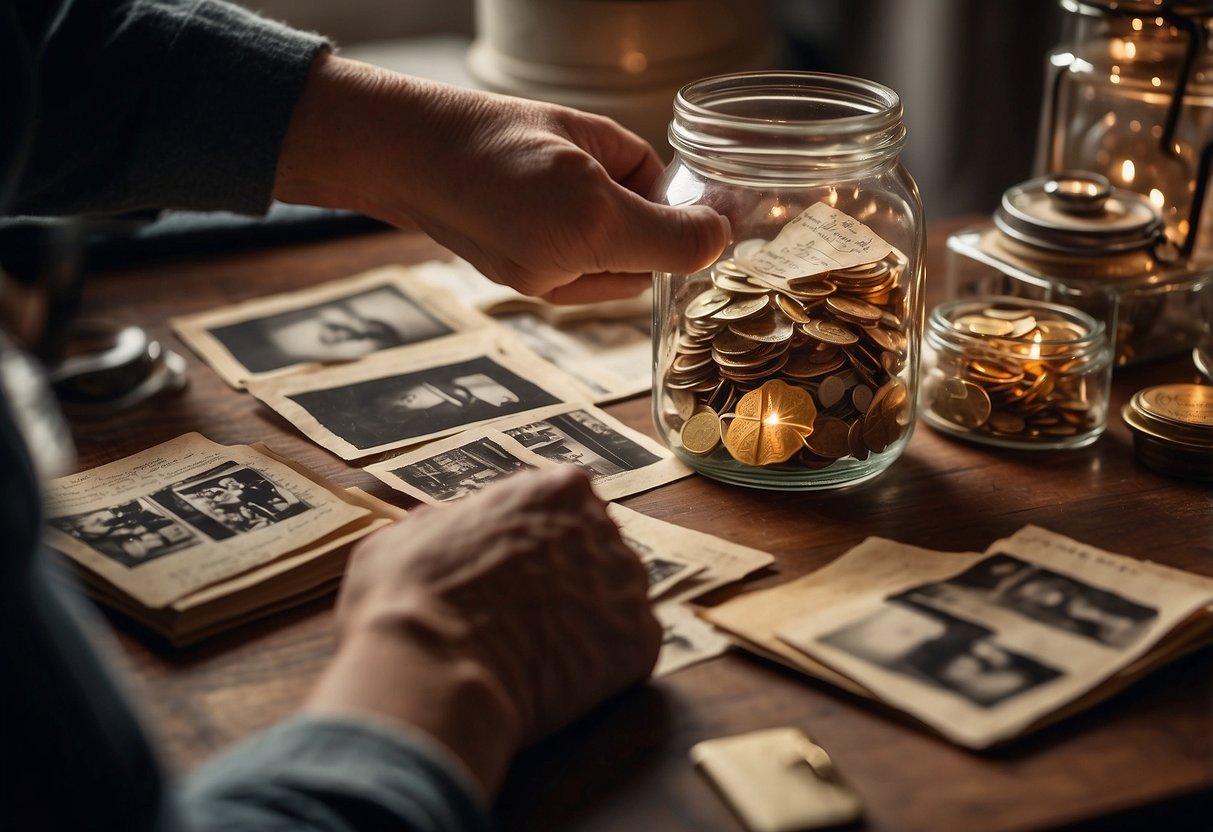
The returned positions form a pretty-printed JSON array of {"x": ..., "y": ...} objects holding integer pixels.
[
  {"x": 817, "y": 240},
  {"x": 984, "y": 652},
  {"x": 408, "y": 395},
  {"x": 618, "y": 460},
  {"x": 685, "y": 638},
  {"x": 722, "y": 562},
  {"x": 339, "y": 321},
  {"x": 462, "y": 280},
  {"x": 188, "y": 514},
  {"x": 612, "y": 358}
]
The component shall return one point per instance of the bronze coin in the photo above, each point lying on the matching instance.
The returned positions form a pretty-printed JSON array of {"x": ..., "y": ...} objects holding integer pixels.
[
  {"x": 829, "y": 437},
  {"x": 742, "y": 308},
  {"x": 793, "y": 308},
  {"x": 771, "y": 327},
  {"x": 855, "y": 311},
  {"x": 829, "y": 332},
  {"x": 701, "y": 433},
  {"x": 961, "y": 403},
  {"x": 707, "y": 304}
]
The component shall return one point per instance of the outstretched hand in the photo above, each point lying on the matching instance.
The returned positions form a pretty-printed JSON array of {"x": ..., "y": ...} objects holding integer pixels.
[{"x": 548, "y": 200}]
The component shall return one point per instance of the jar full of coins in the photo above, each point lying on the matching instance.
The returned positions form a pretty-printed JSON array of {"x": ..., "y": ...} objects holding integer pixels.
[
  {"x": 791, "y": 362},
  {"x": 1016, "y": 373}
]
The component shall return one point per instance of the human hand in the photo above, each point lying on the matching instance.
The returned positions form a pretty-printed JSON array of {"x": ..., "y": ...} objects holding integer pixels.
[
  {"x": 548, "y": 200},
  {"x": 494, "y": 621}
]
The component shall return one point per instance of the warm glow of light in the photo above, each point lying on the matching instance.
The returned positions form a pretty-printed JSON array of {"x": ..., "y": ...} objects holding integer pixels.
[
  {"x": 1109, "y": 120},
  {"x": 1134, "y": 126},
  {"x": 777, "y": 212},
  {"x": 1114, "y": 79},
  {"x": 1128, "y": 171},
  {"x": 1157, "y": 197},
  {"x": 1130, "y": 50},
  {"x": 1137, "y": 25},
  {"x": 773, "y": 419},
  {"x": 1034, "y": 352},
  {"x": 634, "y": 62},
  {"x": 1156, "y": 81}
]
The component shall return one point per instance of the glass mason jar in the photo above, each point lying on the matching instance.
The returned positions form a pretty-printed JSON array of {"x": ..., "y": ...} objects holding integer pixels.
[
  {"x": 1016, "y": 373},
  {"x": 791, "y": 362}
]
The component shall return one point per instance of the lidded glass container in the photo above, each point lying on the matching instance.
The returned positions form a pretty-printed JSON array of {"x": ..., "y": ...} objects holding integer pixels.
[
  {"x": 1074, "y": 238},
  {"x": 1016, "y": 373},
  {"x": 791, "y": 362}
]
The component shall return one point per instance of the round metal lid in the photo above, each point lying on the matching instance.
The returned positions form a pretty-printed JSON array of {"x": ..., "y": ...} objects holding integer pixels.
[{"x": 1078, "y": 212}]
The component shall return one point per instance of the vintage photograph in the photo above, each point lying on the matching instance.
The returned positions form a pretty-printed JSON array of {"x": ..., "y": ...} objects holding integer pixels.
[
  {"x": 1047, "y": 597},
  {"x": 230, "y": 499},
  {"x": 580, "y": 438},
  {"x": 462, "y": 471},
  {"x": 333, "y": 323},
  {"x": 942, "y": 651},
  {"x": 338, "y": 330},
  {"x": 131, "y": 533},
  {"x": 411, "y": 406}
]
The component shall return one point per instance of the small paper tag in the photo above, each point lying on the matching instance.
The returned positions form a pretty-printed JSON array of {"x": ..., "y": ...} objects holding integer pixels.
[
  {"x": 818, "y": 240},
  {"x": 778, "y": 780}
]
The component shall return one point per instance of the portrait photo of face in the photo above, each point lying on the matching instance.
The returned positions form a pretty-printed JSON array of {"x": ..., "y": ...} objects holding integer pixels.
[
  {"x": 131, "y": 533},
  {"x": 431, "y": 402},
  {"x": 942, "y": 651},
  {"x": 1045, "y": 596},
  {"x": 339, "y": 330}
]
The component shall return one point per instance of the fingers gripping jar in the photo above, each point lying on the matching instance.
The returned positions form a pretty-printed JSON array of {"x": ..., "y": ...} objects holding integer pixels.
[{"x": 791, "y": 362}]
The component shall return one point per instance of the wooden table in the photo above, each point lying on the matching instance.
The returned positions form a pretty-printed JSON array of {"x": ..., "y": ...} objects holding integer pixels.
[{"x": 1148, "y": 752}]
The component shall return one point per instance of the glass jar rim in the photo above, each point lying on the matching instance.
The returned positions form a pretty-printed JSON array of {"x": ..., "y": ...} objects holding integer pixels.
[
  {"x": 875, "y": 106},
  {"x": 939, "y": 322}
]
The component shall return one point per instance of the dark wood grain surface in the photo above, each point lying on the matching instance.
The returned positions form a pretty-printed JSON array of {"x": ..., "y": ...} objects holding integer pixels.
[{"x": 625, "y": 766}]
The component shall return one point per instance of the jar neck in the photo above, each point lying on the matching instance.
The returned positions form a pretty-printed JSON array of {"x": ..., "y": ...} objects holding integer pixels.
[{"x": 786, "y": 127}]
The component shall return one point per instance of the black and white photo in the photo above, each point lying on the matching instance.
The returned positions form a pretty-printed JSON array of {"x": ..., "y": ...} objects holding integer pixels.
[
  {"x": 230, "y": 499},
  {"x": 580, "y": 438},
  {"x": 943, "y": 651},
  {"x": 411, "y": 406},
  {"x": 131, "y": 533},
  {"x": 461, "y": 471}
]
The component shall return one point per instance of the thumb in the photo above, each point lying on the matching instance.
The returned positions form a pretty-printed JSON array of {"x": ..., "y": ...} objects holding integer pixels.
[{"x": 661, "y": 238}]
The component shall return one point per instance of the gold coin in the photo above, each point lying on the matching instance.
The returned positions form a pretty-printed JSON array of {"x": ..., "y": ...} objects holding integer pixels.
[
  {"x": 701, "y": 433},
  {"x": 737, "y": 286},
  {"x": 861, "y": 398},
  {"x": 830, "y": 332},
  {"x": 707, "y": 303},
  {"x": 961, "y": 403},
  {"x": 771, "y": 327},
  {"x": 1006, "y": 313},
  {"x": 730, "y": 343},
  {"x": 770, "y": 424},
  {"x": 855, "y": 311},
  {"x": 793, "y": 308},
  {"x": 829, "y": 437},
  {"x": 981, "y": 325},
  {"x": 1007, "y": 423},
  {"x": 742, "y": 308}
]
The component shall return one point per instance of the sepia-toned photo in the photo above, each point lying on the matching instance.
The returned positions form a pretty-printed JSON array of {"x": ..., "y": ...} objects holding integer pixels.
[
  {"x": 1047, "y": 597},
  {"x": 580, "y": 438},
  {"x": 461, "y": 471},
  {"x": 131, "y": 533},
  {"x": 337, "y": 322},
  {"x": 943, "y": 651},
  {"x": 230, "y": 499}
]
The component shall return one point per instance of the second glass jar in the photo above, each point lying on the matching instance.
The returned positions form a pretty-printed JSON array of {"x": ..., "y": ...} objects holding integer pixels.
[{"x": 792, "y": 362}]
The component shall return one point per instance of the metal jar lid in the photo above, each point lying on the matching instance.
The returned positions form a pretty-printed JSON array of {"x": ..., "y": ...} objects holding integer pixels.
[
  {"x": 1078, "y": 212},
  {"x": 1172, "y": 428}
]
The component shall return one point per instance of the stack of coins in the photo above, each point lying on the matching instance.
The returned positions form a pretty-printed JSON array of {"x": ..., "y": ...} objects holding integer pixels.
[
  {"x": 1014, "y": 374},
  {"x": 835, "y": 342}
]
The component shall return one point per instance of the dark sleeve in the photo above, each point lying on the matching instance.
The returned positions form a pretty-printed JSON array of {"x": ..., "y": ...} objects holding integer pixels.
[{"x": 149, "y": 104}]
